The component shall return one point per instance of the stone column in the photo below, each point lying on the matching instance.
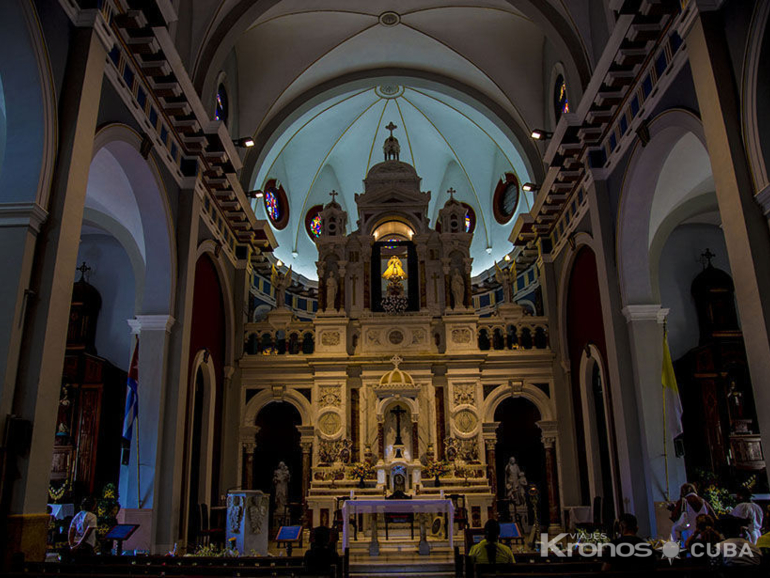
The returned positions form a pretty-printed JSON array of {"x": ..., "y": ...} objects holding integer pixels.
[
  {"x": 549, "y": 429},
  {"x": 744, "y": 226},
  {"x": 307, "y": 436},
  {"x": 635, "y": 479},
  {"x": 415, "y": 439},
  {"x": 51, "y": 273},
  {"x": 381, "y": 436},
  {"x": 489, "y": 433},
  {"x": 171, "y": 442},
  {"x": 247, "y": 469},
  {"x": 152, "y": 332},
  {"x": 645, "y": 329}
]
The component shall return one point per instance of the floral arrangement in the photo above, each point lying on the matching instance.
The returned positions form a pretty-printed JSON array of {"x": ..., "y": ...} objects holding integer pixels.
[
  {"x": 435, "y": 469},
  {"x": 361, "y": 470},
  {"x": 714, "y": 493},
  {"x": 464, "y": 472},
  {"x": 107, "y": 508}
]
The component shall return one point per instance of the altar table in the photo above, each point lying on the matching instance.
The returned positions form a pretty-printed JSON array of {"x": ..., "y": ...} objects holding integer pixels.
[{"x": 352, "y": 507}]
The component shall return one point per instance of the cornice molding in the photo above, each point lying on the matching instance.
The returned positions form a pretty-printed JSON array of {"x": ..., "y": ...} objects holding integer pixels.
[
  {"x": 151, "y": 323},
  {"x": 29, "y": 215}
]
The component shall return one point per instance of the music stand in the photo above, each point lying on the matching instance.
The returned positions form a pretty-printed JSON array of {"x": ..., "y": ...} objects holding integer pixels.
[
  {"x": 120, "y": 533},
  {"x": 288, "y": 535}
]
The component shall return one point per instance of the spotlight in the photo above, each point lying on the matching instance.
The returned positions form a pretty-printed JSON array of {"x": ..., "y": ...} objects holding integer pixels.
[
  {"x": 256, "y": 194},
  {"x": 245, "y": 142},
  {"x": 507, "y": 257},
  {"x": 540, "y": 134},
  {"x": 530, "y": 187},
  {"x": 279, "y": 263},
  {"x": 294, "y": 254}
]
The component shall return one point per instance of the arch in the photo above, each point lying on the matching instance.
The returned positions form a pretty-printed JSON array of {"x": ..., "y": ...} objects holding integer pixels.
[
  {"x": 210, "y": 248},
  {"x": 528, "y": 391},
  {"x": 220, "y": 39},
  {"x": 157, "y": 228},
  {"x": 266, "y": 396},
  {"x": 590, "y": 359},
  {"x": 637, "y": 195},
  {"x": 26, "y": 169},
  {"x": 750, "y": 97},
  {"x": 383, "y": 405},
  {"x": 202, "y": 361}
]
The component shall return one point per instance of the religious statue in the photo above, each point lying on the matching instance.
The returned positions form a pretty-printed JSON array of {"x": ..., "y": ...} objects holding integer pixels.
[
  {"x": 506, "y": 278},
  {"x": 394, "y": 269},
  {"x": 280, "y": 282},
  {"x": 281, "y": 477},
  {"x": 458, "y": 289},
  {"x": 515, "y": 484},
  {"x": 331, "y": 291}
]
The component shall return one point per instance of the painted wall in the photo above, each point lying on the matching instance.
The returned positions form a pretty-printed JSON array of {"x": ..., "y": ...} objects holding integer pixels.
[
  {"x": 679, "y": 264},
  {"x": 113, "y": 277}
]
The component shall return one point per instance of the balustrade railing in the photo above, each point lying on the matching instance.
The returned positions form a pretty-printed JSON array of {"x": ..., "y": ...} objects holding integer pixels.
[{"x": 497, "y": 335}]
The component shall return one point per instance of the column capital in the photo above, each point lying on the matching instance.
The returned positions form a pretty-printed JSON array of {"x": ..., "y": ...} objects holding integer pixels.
[
  {"x": 550, "y": 431},
  {"x": 151, "y": 323},
  {"x": 306, "y": 432},
  {"x": 652, "y": 312},
  {"x": 29, "y": 215},
  {"x": 489, "y": 430}
]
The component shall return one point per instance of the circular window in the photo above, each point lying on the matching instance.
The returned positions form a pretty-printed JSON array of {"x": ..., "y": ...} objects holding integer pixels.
[
  {"x": 221, "y": 109},
  {"x": 560, "y": 99},
  {"x": 506, "y": 198},
  {"x": 313, "y": 222},
  {"x": 276, "y": 204}
]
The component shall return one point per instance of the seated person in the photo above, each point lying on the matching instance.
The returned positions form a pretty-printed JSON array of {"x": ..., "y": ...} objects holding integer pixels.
[
  {"x": 748, "y": 509},
  {"x": 321, "y": 555},
  {"x": 629, "y": 527},
  {"x": 82, "y": 532},
  {"x": 705, "y": 532},
  {"x": 489, "y": 550},
  {"x": 736, "y": 549}
]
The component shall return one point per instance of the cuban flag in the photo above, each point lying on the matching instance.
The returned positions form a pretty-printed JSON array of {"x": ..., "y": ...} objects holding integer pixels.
[{"x": 132, "y": 404}]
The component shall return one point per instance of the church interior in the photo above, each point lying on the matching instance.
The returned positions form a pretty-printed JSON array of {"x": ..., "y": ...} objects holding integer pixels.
[{"x": 393, "y": 268}]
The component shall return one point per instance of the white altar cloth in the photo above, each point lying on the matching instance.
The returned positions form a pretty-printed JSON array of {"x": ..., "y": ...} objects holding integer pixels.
[{"x": 351, "y": 507}]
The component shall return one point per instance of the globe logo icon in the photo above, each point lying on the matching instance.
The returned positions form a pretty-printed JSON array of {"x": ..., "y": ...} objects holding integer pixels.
[{"x": 670, "y": 551}]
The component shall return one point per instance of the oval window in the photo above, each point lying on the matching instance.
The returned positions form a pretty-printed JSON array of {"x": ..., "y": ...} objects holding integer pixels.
[{"x": 506, "y": 198}]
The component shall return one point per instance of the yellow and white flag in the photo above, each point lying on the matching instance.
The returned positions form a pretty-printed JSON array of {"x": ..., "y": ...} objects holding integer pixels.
[{"x": 672, "y": 405}]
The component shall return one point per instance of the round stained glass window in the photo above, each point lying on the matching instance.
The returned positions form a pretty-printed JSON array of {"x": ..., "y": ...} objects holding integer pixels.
[
  {"x": 220, "y": 110},
  {"x": 470, "y": 218},
  {"x": 313, "y": 222},
  {"x": 276, "y": 204},
  {"x": 506, "y": 198},
  {"x": 271, "y": 205}
]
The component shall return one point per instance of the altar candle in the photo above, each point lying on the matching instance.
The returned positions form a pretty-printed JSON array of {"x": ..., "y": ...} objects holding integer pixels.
[
  {"x": 351, "y": 494},
  {"x": 441, "y": 493}
]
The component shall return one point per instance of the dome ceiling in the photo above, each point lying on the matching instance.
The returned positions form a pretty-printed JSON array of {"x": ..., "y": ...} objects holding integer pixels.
[{"x": 332, "y": 145}]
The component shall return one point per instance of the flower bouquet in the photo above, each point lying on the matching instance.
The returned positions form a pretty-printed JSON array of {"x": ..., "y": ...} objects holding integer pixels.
[
  {"x": 361, "y": 471},
  {"x": 436, "y": 470}
]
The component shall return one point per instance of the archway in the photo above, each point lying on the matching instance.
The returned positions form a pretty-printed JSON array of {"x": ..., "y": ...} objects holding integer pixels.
[
  {"x": 519, "y": 437},
  {"x": 599, "y": 433},
  {"x": 277, "y": 440}
]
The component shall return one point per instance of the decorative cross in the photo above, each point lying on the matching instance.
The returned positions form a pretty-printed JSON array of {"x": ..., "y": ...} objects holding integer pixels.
[
  {"x": 396, "y": 360},
  {"x": 451, "y": 192},
  {"x": 391, "y": 127},
  {"x": 708, "y": 255},
  {"x": 398, "y": 412},
  {"x": 333, "y": 195},
  {"x": 83, "y": 270}
]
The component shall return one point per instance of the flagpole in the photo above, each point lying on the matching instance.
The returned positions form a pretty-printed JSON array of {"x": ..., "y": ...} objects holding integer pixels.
[
  {"x": 665, "y": 421},
  {"x": 138, "y": 466}
]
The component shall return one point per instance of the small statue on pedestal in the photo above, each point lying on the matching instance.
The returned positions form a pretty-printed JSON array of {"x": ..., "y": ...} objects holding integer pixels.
[
  {"x": 331, "y": 291},
  {"x": 281, "y": 282},
  {"x": 458, "y": 289},
  {"x": 281, "y": 477},
  {"x": 515, "y": 487}
]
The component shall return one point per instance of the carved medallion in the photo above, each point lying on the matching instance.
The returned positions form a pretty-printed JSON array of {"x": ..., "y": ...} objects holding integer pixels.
[
  {"x": 418, "y": 336},
  {"x": 329, "y": 423},
  {"x": 329, "y": 396},
  {"x": 465, "y": 421},
  {"x": 396, "y": 337}
]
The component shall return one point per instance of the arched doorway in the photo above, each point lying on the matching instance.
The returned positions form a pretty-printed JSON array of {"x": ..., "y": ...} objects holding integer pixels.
[
  {"x": 277, "y": 440},
  {"x": 519, "y": 436},
  {"x": 597, "y": 422}
]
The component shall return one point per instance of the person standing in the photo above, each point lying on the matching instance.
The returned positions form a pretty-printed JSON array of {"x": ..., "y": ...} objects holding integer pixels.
[
  {"x": 82, "y": 532},
  {"x": 749, "y": 510}
]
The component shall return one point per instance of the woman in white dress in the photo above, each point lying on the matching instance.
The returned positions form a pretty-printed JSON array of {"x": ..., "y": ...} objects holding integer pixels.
[{"x": 684, "y": 513}]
